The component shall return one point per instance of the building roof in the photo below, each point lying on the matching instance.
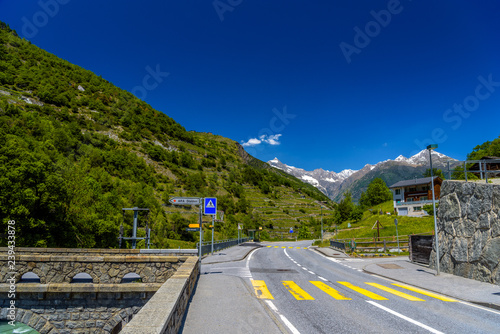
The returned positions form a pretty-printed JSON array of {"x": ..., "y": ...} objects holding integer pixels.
[{"x": 413, "y": 182}]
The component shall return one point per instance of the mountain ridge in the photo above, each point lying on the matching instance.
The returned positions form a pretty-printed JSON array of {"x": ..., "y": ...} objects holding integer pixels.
[{"x": 335, "y": 184}]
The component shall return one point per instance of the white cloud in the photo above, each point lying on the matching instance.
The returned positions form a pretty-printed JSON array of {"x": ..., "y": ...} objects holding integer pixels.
[{"x": 271, "y": 140}]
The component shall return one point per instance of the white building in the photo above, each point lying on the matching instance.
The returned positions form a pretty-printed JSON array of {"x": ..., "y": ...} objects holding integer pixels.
[{"x": 411, "y": 195}]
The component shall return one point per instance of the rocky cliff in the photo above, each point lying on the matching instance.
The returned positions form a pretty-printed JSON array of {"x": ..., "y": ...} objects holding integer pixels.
[{"x": 469, "y": 230}]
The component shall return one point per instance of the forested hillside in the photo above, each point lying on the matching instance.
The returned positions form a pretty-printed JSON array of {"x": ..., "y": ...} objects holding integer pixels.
[{"x": 75, "y": 150}]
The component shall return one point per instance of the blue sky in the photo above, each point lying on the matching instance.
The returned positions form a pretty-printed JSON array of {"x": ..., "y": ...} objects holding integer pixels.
[{"x": 318, "y": 84}]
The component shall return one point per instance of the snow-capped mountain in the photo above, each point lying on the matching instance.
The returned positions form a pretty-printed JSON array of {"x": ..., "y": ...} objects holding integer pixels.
[{"x": 335, "y": 184}]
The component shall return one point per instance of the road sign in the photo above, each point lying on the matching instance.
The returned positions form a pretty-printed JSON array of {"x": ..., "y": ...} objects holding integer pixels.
[
  {"x": 194, "y": 225},
  {"x": 291, "y": 230},
  {"x": 210, "y": 207},
  {"x": 396, "y": 222},
  {"x": 193, "y": 229},
  {"x": 185, "y": 200}
]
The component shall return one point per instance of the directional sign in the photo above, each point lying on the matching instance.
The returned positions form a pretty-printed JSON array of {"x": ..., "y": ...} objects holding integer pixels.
[
  {"x": 194, "y": 225},
  {"x": 210, "y": 207},
  {"x": 185, "y": 200},
  {"x": 193, "y": 229}
]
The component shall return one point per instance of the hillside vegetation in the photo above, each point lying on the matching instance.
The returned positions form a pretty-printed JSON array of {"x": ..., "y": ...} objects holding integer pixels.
[
  {"x": 75, "y": 150},
  {"x": 364, "y": 228}
]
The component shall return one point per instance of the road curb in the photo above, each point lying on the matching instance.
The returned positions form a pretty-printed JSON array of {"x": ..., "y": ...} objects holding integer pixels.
[
  {"x": 318, "y": 249},
  {"x": 250, "y": 249}
]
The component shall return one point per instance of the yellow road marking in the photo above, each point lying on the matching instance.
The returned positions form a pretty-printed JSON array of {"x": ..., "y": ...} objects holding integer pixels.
[
  {"x": 276, "y": 246},
  {"x": 329, "y": 290},
  {"x": 430, "y": 294},
  {"x": 296, "y": 291},
  {"x": 283, "y": 247},
  {"x": 299, "y": 247},
  {"x": 362, "y": 291},
  {"x": 290, "y": 247},
  {"x": 305, "y": 247},
  {"x": 261, "y": 290},
  {"x": 396, "y": 292},
  {"x": 269, "y": 246}
]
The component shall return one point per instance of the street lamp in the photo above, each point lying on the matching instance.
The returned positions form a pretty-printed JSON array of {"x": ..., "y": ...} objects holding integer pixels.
[{"x": 430, "y": 148}]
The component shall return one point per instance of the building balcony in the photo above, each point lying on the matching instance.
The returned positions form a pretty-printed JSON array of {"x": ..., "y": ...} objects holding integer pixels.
[{"x": 415, "y": 203}]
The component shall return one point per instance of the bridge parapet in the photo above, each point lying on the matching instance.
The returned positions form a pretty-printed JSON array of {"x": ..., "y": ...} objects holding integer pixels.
[
  {"x": 57, "y": 306},
  {"x": 104, "y": 266}
]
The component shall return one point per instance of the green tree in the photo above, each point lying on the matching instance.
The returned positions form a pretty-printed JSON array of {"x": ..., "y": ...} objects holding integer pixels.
[
  {"x": 304, "y": 233},
  {"x": 357, "y": 213},
  {"x": 376, "y": 193},
  {"x": 435, "y": 171},
  {"x": 429, "y": 209},
  {"x": 345, "y": 207}
]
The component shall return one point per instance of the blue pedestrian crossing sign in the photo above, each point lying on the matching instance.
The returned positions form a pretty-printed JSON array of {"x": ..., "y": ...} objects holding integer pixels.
[{"x": 210, "y": 207}]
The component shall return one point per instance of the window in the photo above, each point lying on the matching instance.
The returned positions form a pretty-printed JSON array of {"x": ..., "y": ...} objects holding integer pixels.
[
  {"x": 398, "y": 191},
  {"x": 417, "y": 208},
  {"x": 413, "y": 189},
  {"x": 409, "y": 199},
  {"x": 424, "y": 198}
]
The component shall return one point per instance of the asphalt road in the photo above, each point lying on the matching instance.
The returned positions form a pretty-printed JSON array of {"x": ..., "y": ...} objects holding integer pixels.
[{"x": 287, "y": 287}]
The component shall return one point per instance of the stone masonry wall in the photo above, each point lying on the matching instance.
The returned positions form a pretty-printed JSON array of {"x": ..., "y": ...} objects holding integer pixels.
[
  {"x": 66, "y": 311},
  {"x": 102, "y": 269},
  {"x": 469, "y": 230}
]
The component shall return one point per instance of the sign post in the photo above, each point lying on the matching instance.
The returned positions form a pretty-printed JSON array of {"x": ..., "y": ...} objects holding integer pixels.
[
  {"x": 192, "y": 201},
  {"x": 210, "y": 208},
  {"x": 397, "y": 235}
]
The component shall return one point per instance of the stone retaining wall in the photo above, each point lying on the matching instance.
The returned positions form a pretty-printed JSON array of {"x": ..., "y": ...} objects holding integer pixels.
[
  {"x": 165, "y": 310},
  {"x": 77, "y": 308},
  {"x": 469, "y": 230}
]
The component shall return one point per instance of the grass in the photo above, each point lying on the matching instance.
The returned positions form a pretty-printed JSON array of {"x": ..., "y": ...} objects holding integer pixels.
[
  {"x": 173, "y": 244},
  {"x": 406, "y": 225}
]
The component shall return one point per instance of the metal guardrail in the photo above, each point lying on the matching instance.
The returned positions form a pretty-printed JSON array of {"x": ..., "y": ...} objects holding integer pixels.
[
  {"x": 482, "y": 170},
  {"x": 337, "y": 245},
  {"x": 415, "y": 202},
  {"x": 219, "y": 245}
]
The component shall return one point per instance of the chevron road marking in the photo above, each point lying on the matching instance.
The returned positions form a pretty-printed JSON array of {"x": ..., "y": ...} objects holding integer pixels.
[
  {"x": 329, "y": 290},
  {"x": 430, "y": 294},
  {"x": 395, "y": 292},
  {"x": 362, "y": 291},
  {"x": 296, "y": 291},
  {"x": 261, "y": 290}
]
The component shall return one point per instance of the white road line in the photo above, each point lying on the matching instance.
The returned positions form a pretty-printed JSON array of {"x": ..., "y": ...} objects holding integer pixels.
[
  {"x": 480, "y": 307},
  {"x": 282, "y": 317},
  {"x": 322, "y": 278},
  {"x": 415, "y": 322},
  {"x": 310, "y": 272},
  {"x": 270, "y": 303}
]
